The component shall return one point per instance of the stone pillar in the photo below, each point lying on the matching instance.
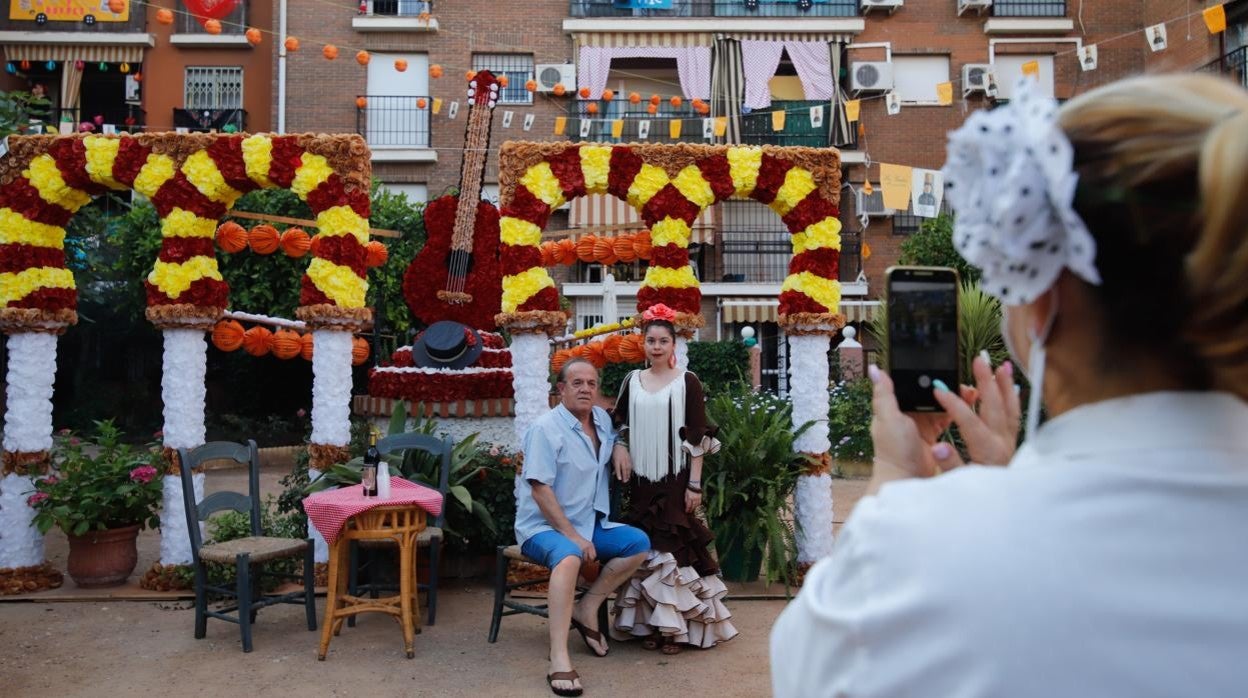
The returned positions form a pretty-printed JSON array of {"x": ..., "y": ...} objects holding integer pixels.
[{"x": 850, "y": 355}]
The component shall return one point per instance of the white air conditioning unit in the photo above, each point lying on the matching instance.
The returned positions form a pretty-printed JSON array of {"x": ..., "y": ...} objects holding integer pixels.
[
  {"x": 978, "y": 5},
  {"x": 548, "y": 75},
  {"x": 976, "y": 77},
  {"x": 871, "y": 76},
  {"x": 890, "y": 5},
  {"x": 873, "y": 204}
]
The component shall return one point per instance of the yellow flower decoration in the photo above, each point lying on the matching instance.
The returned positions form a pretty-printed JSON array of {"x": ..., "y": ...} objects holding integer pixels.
[
  {"x": 596, "y": 167},
  {"x": 343, "y": 220},
  {"x": 824, "y": 234},
  {"x": 184, "y": 224},
  {"x": 518, "y": 288},
  {"x": 16, "y": 229},
  {"x": 646, "y": 184},
  {"x": 101, "y": 155},
  {"x": 743, "y": 166},
  {"x": 694, "y": 186},
  {"x": 155, "y": 172},
  {"x": 47, "y": 179},
  {"x": 663, "y": 277},
  {"x": 542, "y": 182},
  {"x": 825, "y": 292},
  {"x": 173, "y": 278},
  {"x": 15, "y": 286},
  {"x": 202, "y": 172},
  {"x": 670, "y": 231},
  {"x": 343, "y": 286},
  {"x": 257, "y": 158},
  {"x": 311, "y": 174},
  {"x": 519, "y": 232},
  {"x": 798, "y": 182}
]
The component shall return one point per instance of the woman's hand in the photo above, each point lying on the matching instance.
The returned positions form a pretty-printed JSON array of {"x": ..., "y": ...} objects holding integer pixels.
[
  {"x": 623, "y": 462},
  {"x": 991, "y": 433},
  {"x": 693, "y": 500}
]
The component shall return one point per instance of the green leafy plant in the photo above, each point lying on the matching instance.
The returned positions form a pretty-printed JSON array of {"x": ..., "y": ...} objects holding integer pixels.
[
  {"x": 849, "y": 420},
  {"x": 17, "y": 108},
  {"x": 979, "y": 327},
  {"x": 721, "y": 366},
  {"x": 932, "y": 246},
  {"x": 232, "y": 525},
  {"x": 749, "y": 484},
  {"x": 98, "y": 484}
]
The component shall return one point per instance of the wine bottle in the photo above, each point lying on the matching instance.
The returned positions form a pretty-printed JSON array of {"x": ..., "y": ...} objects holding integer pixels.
[{"x": 371, "y": 458}]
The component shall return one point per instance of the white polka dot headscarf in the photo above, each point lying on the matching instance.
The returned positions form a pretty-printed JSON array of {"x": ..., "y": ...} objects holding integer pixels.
[{"x": 1010, "y": 181}]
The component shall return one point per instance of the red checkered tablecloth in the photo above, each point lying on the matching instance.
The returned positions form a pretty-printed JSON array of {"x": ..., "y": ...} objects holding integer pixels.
[{"x": 329, "y": 510}]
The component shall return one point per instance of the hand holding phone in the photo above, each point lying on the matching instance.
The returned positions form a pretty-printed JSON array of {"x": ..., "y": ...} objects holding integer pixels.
[{"x": 923, "y": 341}]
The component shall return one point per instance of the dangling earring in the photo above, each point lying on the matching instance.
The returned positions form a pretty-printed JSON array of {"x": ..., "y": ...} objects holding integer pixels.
[{"x": 671, "y": 360}]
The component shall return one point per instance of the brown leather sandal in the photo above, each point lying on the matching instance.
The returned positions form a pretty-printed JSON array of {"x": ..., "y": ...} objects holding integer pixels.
[
  {"x": 671, "y": 647},
  {"x": 569, "y": 676},
  {"x": 652, "y": 642},
  {"x": 587, "y": 634}
]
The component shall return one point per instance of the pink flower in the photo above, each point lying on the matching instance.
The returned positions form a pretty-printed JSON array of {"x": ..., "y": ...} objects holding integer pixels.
[
  {"x": 658, "y": 311},
  {"x": 143, "y": 474},
  {"x": 74, "y": 441},
  {"x": 50, "y": 480},
  {"x": 494, "y": 450},
  {"x": 36, "y": 498}
]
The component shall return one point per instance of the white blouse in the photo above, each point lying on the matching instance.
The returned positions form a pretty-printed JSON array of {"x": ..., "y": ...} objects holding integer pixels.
[{"x": 1109, "y": 559}]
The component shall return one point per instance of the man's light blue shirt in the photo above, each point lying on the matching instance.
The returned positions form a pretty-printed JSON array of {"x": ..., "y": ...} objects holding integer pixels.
[{"x": 558, "y": 453}]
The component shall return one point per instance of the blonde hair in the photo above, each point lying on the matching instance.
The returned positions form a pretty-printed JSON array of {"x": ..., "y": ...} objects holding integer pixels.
[{"x": 1163, "y": 166}]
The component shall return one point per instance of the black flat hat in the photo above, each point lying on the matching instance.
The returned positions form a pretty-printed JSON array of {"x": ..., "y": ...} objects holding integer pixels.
[{"x": 446, "y": 344}]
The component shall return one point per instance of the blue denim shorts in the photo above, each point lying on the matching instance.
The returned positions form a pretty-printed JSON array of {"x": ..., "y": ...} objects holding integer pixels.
[{"x": 550, "y": 547}]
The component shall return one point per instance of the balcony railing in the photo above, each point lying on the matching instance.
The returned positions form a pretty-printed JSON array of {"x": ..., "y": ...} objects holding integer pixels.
[
  {"x": 398, "y": 8},
  {"x": 756, "y": 127},
  {"x": 1233, "y": 65},
  {"x": 660, "y": 130},
  {"x": 234, "y": 23},
  {"x": 394, "y": 121},
  {"x": 1029, "y": 8},
  {"x": 205, "y": 120},
  {"x": 713, "y": 8}
]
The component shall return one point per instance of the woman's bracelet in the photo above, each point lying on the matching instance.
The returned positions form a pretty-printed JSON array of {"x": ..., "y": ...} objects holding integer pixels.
[{"x": 691, "y": 488}]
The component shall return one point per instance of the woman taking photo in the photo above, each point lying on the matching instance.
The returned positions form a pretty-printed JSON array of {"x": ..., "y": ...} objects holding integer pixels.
[
  {"x": 675, "y": 598},
  {"x": 1108, "y": 558}
]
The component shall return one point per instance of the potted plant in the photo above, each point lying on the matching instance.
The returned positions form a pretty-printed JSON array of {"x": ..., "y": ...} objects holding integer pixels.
[
  {"x": 749, "y": 486},
  {"x": 101, "y": 493}
]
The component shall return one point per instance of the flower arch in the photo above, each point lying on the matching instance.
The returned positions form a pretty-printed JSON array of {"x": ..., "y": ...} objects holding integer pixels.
[
  {"x": 192, "y": 180},
  {"x": 670, "y": 185}
]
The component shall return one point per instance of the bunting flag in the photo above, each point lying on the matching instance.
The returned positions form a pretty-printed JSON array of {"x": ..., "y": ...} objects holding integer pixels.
[
  {"x": 452, "y": 110},
  {"x": 528, "y": 121},
  {"x": 507, "y": 117},
  {"x": 617, "y": 128},
  {"x": 1032, "y": 68},
  {"x": 1156, "y": 36},
  {"x": 895, "y": 181},
  {"x": 1087, "y": 58},
  {"x": 1215, "y": 18},
  {"x": 437, "y": 105},
  {"x": 721, "y": 126},
  {"x": 708, "y": 128},
  {"x": 561, "y": 125},
  {"x": 944, "y": 94},
  {"x": 816, "y": 116},
  {"x": 586, "y": 125},
  {"x": 851, "y": 109},
  {"x": 777, "y": 120},
  {"x": 673, "y": 128},
  {"x": 643, "y": 129},
  {"x": 893, "y": 101}
]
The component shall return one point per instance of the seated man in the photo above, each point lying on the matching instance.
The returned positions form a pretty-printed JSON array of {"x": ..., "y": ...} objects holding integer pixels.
[{"x": 561, "y": 516}]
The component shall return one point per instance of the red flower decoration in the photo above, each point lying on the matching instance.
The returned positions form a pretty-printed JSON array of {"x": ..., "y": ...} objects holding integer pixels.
[
  {"x": 718, "y": 174},
  {"x": 624, "y": 166},
  {"x": 658, "y": 311},
  {"x": 328, "y": 194},
  {"x": 823, "y": 261},
  {"x": 443, "y": 386},
  {"x": 177, "y": 250},
  {"x": 566, "y": 166},
  {"x": 48, "y": 299},
  {"x": 811, "y": 209},
  {"x": 227, "y": 154},
  {"x": 286, "y": 157},
  {"x": 178, "y": 192},
  {"x": 545, "y": 299},
  {"x": 70, "y": 156},
  {"x": 798, "y": 302},
  {"x": 344, "y": 250},
  {"x": 21, "y": 197},
  {"x": 669, "y": 203},
  {"x": 671, "y": 256},
  {"x": 131, "y": 156},
  {"x": 309, "y": 294},
  {"x": 525, "y": 206},
  {"x": 516, "y": 259},
  {"x": 208, "y": 293},
  {"x": 685, "y": 300},
  {"x": 15, "y": 257},
  {"x": 771, "y": 174}
]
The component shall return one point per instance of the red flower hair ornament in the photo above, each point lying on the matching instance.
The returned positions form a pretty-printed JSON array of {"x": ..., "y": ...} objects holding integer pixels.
[{"x": 658, "y": 311}]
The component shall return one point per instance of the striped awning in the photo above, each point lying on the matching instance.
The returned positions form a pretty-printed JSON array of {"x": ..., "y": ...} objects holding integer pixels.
[
  {"x": 604, "y": 210},
  {"x": 90, "y": 53},
  {"x": 750, "y": 310},
  {"x": 788, "y": 36},
  {"x": 626, "y": 39},
  {"x": 858, "y": 311}
]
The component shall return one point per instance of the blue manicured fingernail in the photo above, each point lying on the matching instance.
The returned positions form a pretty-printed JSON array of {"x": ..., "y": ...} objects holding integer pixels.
[
  {"x": 940, "y": 385},
  {"x": 942, "y": 451}
]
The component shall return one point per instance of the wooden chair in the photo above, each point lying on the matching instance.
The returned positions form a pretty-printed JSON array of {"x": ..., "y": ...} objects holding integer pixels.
[
  {"x": 502, "y": 591},
  {"x": 431, "y": 537},
  {"x": 244, "y": 553}
]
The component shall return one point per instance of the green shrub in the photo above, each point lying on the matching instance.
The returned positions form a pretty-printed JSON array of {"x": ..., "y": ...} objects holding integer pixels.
[
  {"x": 849, "y": 420},
  {"x": 722, "y": 367},
  {"x": 232, "y": 525},
  {"x": 933, "y": 246}
]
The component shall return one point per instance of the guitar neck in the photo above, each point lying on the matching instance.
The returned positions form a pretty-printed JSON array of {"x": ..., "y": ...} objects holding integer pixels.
[{"x": 476, "y": 145}]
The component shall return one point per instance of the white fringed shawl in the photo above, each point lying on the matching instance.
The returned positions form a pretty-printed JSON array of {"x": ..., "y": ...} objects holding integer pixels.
[{"x": 654, "y": 421}]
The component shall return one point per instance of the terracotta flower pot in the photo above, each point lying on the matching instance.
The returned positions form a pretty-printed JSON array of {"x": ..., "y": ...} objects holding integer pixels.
[{"x": 103, "y": 558}]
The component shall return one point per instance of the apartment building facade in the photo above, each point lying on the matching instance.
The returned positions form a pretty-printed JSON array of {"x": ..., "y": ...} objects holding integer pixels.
[{"x": 115, "y": 65}]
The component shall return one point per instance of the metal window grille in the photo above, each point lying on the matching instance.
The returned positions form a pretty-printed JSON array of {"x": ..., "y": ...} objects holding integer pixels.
[
  {"x": 907, "y": 223},
  {"x": 233, "y": 23},
  {"x": 755, "y": 242},
  {"x": 401, "y": 8},
  {"x": 518, "y": 67},
  {"x": 214, "y": 87},
  {"x": 1029, "y": 8}
]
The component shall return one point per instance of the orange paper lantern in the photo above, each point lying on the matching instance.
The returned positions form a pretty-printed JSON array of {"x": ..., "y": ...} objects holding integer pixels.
[
  {"x": 116, "y": 6},
  {"x": 531, "y": 85},
  {"x": 264, "y": 239},
  {"x": 623, "y": 247},
  {"x": 595, "y": 352},
  {"x": 641, "y": 244},
  {"x": 655, "y": 99},
  {"x": 232, "y": 237},
  {"x": 400, "y": 65},
  {"x": 608, "y": 95},
  {"x": 559, "y": 89},
  {"x": 567, "y": 251},
  {"x": 363, "y": 57},
  {"x": 676, "y": 101},
  {"x": 634, "y": 98},
  {"x": 421, "y": 103},
  {"x": 583, "y": 92},
  {"x": 292, "y": 44},
  {"x": 359, "y": 351},
  {"x": 631, "y": 348},
  {"x": 585, "y": 248},
  {"x": 591, "y": 108},
  {"x": 375, "y": 253},
  {"x": 652, "y": 109},
  {"x": 305, "y": 346},
  {"x": 258, "y": 341},
  {"x": 164, "y": 16},
  {"x": 604, "y": 249},
  {"x": 286, "y": 344},
  {"x": 558, "y": 360},
  {"x": 502, "y": 81},
  {"x": 361, "y": 102},
  {"x": 315, "y": 246},
  {"x": 254, "y": 36},
  {"x": 435, "y": 70},
  {"x": 295, "y": 242},
  {"x": 212, "y": 26},
  {"x": 227, "y": 335},
  {"x": 612, "y": 348},
  {"x": 329, "y": 51}
]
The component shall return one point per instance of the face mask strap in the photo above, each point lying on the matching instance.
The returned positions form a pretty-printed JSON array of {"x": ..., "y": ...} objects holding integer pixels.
[{"x": 1035, "y": 369}]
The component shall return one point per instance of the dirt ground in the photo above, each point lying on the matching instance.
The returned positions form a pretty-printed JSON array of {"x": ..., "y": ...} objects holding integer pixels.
[{"x": 115, "y": 647}]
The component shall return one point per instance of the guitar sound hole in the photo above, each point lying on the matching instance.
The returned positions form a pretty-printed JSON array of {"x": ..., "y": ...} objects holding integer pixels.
[{"x": 459, "y": 262}]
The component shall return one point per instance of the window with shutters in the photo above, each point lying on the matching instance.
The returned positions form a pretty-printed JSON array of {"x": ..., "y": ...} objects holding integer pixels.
[{"x": 214, "y": 87}]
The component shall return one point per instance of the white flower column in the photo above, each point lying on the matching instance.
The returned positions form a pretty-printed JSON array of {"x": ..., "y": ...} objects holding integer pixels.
[
  {"x": 183, "y": 390},
  {"x": 27, "y": 437},
  {"x": 331, "y": 410},
  {"x": 530, "y": 372},
  {"x": 808, "y": 389}
]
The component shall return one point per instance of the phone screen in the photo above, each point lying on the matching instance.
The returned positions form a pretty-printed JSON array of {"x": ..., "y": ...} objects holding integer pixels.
[{"x": 922, "y": 334}]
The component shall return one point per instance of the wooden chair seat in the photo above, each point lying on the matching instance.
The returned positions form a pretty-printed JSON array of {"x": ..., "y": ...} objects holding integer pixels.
[{"x": 260, "y": 548}]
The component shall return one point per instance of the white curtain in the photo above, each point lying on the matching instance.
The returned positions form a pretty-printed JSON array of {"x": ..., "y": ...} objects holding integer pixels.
[
  {"x": 810, "y": 58},
  {"x": 693, "y": 66},
  {"x": 71, "y": 86},
  {"x": 813, "y": 64},
  {"x": 760, "y": 60}
]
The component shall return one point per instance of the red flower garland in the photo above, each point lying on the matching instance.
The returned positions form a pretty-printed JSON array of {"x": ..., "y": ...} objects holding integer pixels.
[
  {"x": 671, "y": 256},
  {"x": 15, "y": 257},
  {"x": 566, "y": 167},
  {"x": 623, "y": 168},
  {"x": 518, "y": 258},
  {"x": 20, "y": 196},
  {"x": 70, "y": 156},
  {"x": 286, "y": 157},
  {"x": 344, "y": 250},
  {"x": 716, "y": 171},
  {"x": 327, "y": 194},
  {"x": 309, "y": 294},
  {"x": 131, "y": 156},
  {"x": 809, "y": 210},
  {"x": 178, "y": 192},
  {"x": 443, "y": 386},
  {"x": 202, "y": 292},
  {"x": 687, "y": 300},
  {"x": 771, "y": 174},
  {"x": 798, "y": 302},
  {"x": 822, "y": 261},
  {"x": 227, "y": 154},
  {"x": 525, "y": 206},
  {"x": 545, "y": 299},
  {"x": 50, "y": 299},
  {"x": 668, "y": 202},
  {"x": 177, "y": 250}
]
